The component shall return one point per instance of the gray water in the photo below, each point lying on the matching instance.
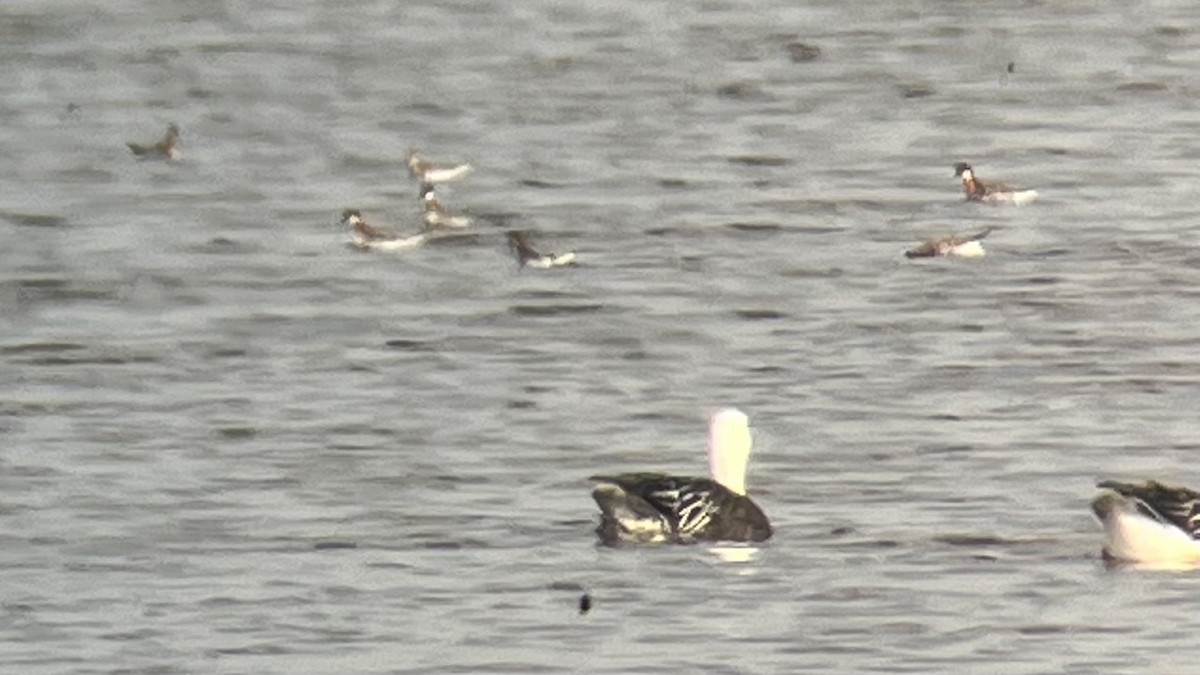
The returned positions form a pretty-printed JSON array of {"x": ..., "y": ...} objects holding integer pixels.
[{"x": 230, "y": 443}]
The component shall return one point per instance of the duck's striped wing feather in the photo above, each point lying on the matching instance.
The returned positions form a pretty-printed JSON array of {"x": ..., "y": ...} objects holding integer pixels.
[{"x": 689, "y": 504}]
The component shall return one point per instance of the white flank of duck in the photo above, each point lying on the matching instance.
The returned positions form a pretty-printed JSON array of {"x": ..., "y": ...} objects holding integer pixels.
[{"x": 399, "y": 243}]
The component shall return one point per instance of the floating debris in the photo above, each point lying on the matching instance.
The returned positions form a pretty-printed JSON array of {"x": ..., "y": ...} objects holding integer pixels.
[
  {"x": 740, "y": 90},
  {"x": 802, "y": 52},
  {"x": 333, "y": 545}
]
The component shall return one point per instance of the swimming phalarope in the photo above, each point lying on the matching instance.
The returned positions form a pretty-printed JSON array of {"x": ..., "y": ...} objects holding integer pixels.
[
  {"x": 962, "y": 245},
  {"x": 364, "y": 235},
  {"x": 988, "y": 191},
  {"x": 425, "y": 172},
  {"x": 527, "y": 256},
  {"x": 167, "y": 148},
  {"x": 1149, "y": 522},
  {"x": 437, "y": 215},
  {"x": 643, "y": 508}
]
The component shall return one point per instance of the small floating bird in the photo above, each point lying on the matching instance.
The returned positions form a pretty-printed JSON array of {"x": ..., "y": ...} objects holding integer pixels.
[
  {"x": 167, "y": 148},
  {"x": 427, "y": 173},
  {"x": 640, "y": 508},
  {"x": 990, "y": 192},
  {"x": 963, "y": 245},
  {"x": 518, "y": 241},
  {"x": 1149, "y": 522},
  {"x": 367, "y": 236},
  {"x": 437, "y": 215}
]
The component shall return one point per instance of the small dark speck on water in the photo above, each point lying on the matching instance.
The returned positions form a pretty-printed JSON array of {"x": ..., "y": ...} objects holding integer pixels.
[
  {"x": 238, "y": 432},
  {"x": 333, "y": 545},
  {"x": 1012, "y": 67},
  {"x": 803, "y": 53},
  {"x": 585, "y": 603}
]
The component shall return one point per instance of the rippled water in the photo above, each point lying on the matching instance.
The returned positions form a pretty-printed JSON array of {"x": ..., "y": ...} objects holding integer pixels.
[{"x": 230, "y": 443}]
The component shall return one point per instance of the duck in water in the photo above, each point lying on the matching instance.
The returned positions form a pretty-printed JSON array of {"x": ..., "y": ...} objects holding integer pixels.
[
  {"x": 167, "y": 148},
  {"x": 990, "y": 192},
  {"x": 427, "y": 173},
  {"x": 366, "y": 236},
  {"x": 1149, "y": 523},
  {"x": 962, "y": 245},
  {"x": 527, "y": 256},
  {"x": 644, "y": 508}
]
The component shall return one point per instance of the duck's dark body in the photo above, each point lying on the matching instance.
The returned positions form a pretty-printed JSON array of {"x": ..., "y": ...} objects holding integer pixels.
[{"x": 657, "y": 508}]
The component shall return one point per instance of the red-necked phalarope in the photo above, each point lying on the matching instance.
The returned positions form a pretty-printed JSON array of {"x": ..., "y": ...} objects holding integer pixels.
[
  {"x": 527, "y": 256},
  {"x": 962, "y": 245},
  {"x": 643, "y": 508},
  {"x": 990, "y": 192},
  {"x": 364, "y": 235},
  {"x": 425, "y": 172},
  {"x": 1149, "y": 523},
  {"x": 167, "y": 148},
  {"x": 437, "y": 215}
]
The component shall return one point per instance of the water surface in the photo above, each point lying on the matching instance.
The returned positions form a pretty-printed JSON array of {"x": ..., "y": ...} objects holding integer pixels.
[{"x": 231, "y": 443}]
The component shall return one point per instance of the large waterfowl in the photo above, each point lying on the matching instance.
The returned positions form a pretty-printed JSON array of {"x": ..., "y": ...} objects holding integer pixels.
[
  {"x": 992, "y": 192},
  {"x": 962, "y": 245},
  {"x": 642, "y": 508},
  {"x": 1149, "y": 522},
  {"x": 166, "y": 148}
]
